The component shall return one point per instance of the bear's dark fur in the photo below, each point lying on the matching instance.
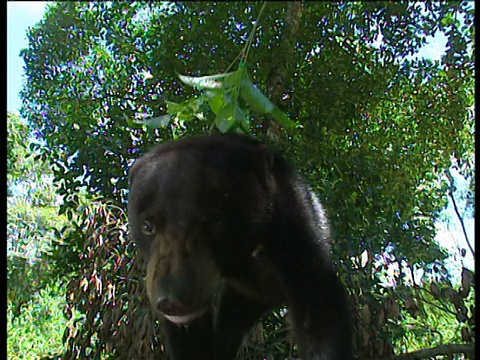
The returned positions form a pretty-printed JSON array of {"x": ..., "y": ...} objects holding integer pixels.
[{"x": 222, "y": 217}]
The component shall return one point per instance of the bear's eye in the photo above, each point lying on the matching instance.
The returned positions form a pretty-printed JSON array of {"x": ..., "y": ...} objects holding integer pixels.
[{"x": 147, "y": 228}]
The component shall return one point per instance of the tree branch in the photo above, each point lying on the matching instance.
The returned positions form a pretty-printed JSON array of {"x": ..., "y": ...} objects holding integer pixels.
[
  {"x": 280, "y": 56},
  {"x": 448, "y": 349}
]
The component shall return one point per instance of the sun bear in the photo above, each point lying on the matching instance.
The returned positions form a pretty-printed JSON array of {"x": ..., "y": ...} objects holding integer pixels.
[{"x": 230, "y": 232}]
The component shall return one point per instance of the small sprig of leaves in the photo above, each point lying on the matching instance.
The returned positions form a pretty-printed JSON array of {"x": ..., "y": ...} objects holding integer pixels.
[{"x": 229, "y": 96}]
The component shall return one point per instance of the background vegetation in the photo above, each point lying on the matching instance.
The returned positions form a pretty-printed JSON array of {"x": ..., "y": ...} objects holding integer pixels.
[{"x": 375, "y": 133}]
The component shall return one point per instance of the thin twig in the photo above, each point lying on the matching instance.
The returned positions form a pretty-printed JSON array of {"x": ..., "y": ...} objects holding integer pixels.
[{"x": 457, "y": 212}]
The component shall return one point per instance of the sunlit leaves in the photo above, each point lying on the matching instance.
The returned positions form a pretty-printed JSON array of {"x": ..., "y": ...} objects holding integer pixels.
[{"x": 223, "y": 92}]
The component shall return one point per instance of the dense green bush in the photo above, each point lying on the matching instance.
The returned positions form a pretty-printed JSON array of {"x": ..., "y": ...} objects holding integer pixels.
[{"x": 37, "y": 331}]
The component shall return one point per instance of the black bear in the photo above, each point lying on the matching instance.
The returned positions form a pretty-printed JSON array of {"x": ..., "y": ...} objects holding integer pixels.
[{"x": 229, "y": 232}]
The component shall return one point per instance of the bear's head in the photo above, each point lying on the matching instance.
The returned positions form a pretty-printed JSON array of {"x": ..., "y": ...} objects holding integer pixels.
[{"x": 193, "y": 205}]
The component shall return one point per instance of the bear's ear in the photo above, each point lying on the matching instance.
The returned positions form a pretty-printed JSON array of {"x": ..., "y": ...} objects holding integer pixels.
[
  {"x": 268, "y": 157},
  {"x": 133, "y": 171},
  {"x": 264, "y": 159}
]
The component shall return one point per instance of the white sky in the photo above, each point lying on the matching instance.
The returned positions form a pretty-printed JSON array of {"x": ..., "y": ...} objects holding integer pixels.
[
  {"x": 20, "y": 16},
  {"x": 24, "y": 14}
]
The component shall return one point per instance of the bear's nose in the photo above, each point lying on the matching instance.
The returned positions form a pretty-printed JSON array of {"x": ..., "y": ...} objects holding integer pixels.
[{"x": 169, "y": 306}]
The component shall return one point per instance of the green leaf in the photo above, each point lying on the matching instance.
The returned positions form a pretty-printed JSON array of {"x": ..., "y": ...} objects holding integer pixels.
[
  {"x": 173, "y": 107},
  {"x": 448, "y": 20},
  {"x": 216, "y": 101},
  {"x": 230, "y": 117},
  {"x": 194, "y": 103},
  {"x": 210, "y": 82},
  {"x": 283, "y": 119},
  {"x": 156, "y": 122},
  {"x": 255, "y": 98},
  {"x": 224, "y": 120},
  {"x": 260, "y": 103}
]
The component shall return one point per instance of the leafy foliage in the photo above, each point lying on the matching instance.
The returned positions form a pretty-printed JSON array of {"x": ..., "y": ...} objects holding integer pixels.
[
  {"x": 37, "y": 332},
  {"x": 222, "y": 96},
  {"x": 31, "y": 208},
  {"x": 375, "y": 128},
  {"x": 35, "y": 319},
  {"x": 106, "y": 301}
]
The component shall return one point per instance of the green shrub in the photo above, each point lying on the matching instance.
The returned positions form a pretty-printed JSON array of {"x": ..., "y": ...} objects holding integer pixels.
[{"x": 37, "y": 331}]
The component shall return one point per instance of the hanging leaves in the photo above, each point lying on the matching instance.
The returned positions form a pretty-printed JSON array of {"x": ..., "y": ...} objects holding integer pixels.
[{"x": 229, "y": 96}]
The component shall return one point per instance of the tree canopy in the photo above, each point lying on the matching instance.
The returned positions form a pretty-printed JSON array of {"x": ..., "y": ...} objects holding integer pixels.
[{"x": 372, "y": 128}]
